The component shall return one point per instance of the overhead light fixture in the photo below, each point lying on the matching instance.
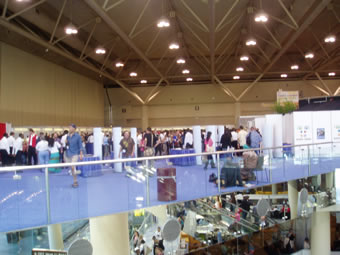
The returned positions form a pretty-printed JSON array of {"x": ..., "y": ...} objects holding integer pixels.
[
  {"x": 251, "y": 42},
  {"x": 309, "y": 55},
  {"x": 330, "y": 39},
  {"x": 244, "y": 58},
  {"x": 185, "y": 71},
  {"x": 236, "y": 77},
  {"x": 284, "y": 75},
  {"x": 143, "y": 81},
  {"x": 239, "y": 69},
  {"x": 100, "y": 51},
  {"x": 133, "y": 74},
  {"x": 119, "y": 64},
  {"x": 23, "y": 1},
  {"x": 189, "y": 79},
  {"x": 71, "y": 30},
  {"x": 331, "y": 74},
  {"x": 174, "y": 46},
  {"x": 180, "y": 61},
  {"x": 163, "y": 22},
  {"x": 294, "y": 67},
  {"x": 261, "y": 17}
]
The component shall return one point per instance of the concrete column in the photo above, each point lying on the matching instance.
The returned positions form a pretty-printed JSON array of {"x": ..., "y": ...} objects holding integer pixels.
[
  {"x": 110, "y": 234},
  {"x": 55, "y": 237},
  {"x": 293, "y": 198},
  {"x": 237, "y": 114},
  {"x": 330, "y": 180},
  {"x": 145, "y": 117},
  {"x": 321, "y": 233},
  {"x": 274, "y": 192},
  {"x": 160, "y": 212}
]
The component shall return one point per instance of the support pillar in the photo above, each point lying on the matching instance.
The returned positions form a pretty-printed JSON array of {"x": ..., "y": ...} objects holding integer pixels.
[
  {"x": 145, "y": 117},
  {"x": 293, "y": 199},
  {"x": 274, "y": 192},
  {"x": 55, "y": 237},
  {"x": 110, "y": 234},
  {"x": 321, "y": 233},
  {"x": 160, "y": 212},
  {"x": 237, "y": 114},
  {"x": 330, "y": 180}
]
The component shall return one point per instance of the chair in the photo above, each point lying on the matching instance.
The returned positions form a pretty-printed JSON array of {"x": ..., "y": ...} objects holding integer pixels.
[{"x": 260, "y": 168}]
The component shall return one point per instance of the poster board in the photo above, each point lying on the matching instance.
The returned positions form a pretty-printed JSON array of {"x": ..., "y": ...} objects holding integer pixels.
[
  {"x": 335, "y": 131},
  {"x": 288, "y": 96},
  {"x": 303, "y": 127},
  {"x": 322, "y": 133}
]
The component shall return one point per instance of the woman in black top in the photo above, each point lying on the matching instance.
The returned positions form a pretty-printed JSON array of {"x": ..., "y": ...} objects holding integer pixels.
[{"x": 226, "y": 139}]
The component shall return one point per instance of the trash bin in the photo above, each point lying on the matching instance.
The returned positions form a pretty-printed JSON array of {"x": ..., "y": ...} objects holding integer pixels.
[{"x": 166, "y": 184}]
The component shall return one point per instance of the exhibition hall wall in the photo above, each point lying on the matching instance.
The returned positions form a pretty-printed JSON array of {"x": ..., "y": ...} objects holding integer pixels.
[{"x": 36, "y": 92}]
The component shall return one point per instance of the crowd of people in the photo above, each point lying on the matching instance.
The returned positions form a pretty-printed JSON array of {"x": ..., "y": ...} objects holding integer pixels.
[{"x": 141, "y": 248}]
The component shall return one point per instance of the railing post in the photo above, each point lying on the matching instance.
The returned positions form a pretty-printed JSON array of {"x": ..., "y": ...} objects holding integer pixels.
[
  {"x": 147, "y": 185},
  {"x": 309, "y": 162},
  {"x": 218, "y": 172},
  {"x": 48, "y": 205}
]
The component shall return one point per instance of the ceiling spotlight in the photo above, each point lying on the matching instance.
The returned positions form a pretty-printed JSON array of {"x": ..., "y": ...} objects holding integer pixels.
[
  {"x": 143, "y": 81},
  {"x": 251, "y": 42},
  {"x": 174, "y": 46},
  {"x": 309, "y": 55},
  {"x": 71, "y": 30},
  {"x": 236, "y": 77},
  {"x": 100, "y": 51},
  {"x": 244, "y": 58},
  {"x": 331, "y": 74},
  {"x": 239, "y": 69},
  {"x": 261, "y": 17},
  {"x": 185, "y": 71},
  {"x": 163, "y": 22},
  {"x": 284, "y": 75},
  {"x": 189, "y": 79},
  {"x": 330, "y": 39},
  {"x": 294, "y": 67},
  {"x": 133, "y": 74},
  {"x": 119, "y": 64},
  {"x": 180, "y": 61}
]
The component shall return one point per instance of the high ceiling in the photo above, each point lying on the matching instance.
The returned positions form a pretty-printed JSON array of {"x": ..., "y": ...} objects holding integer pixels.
[{"x": 211, "y": 35}]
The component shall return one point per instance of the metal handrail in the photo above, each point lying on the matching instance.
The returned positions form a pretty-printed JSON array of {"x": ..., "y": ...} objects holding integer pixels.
[{"x": 113, "y": 161}]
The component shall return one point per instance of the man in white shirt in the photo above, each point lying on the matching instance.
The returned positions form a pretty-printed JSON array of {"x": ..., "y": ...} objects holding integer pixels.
[
  {"x": 63, "y": 144},
  {"x": 11, "y": 140},
  {"x": 242, "y": 137},
  {"x": 188, "y": 140},
  {"x": 4, "y": 149},
  {"x": 17, "y": 149}
]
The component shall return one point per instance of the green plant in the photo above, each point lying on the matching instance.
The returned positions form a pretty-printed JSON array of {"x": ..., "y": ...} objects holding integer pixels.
[{"x": 285, "y": 107}]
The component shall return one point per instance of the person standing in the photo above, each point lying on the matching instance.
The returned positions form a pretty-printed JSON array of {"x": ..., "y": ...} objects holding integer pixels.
[
  {"x": 242, "y": 137},
  {"x": 188, "y": 140},
  {"x": 74, "y": 151},
  {"x": 54, "y": 147},
  {"x": 63, "y": 144},
  {"x": 209, "y": 147},
  {"x": 127, "y": 149},
  {"x": 11, "y": 141},
  {"x": 245, "y": 206},
  {"x": 234, "y": 142},
  {"x": 255, "y": 140},
  {"x": 32, "y": 142},
  {"x": 18, "y": 150},
  {"x": 43, "y": 152},
  {"x": 4, "y": 149},
  {"x": 150, "y": 144}
]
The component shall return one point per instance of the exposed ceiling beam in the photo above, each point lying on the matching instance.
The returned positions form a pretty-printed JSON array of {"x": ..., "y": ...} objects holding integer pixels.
[
  {"x": 4, "y": 10},
  {"x": 273, "y": 37},
  {"x": 147, "y": 99},
  {"x": 312, "y": 16},
  {"x": 88, "y": 40},
  {"x": 289, "y": 14},
  {"x": 323, "y": 83},
  {"x": 25, "y": 10},
  {"x": 212, "y": 39},
  {"x": 225, "y": 89},
  {"x": 48, "y": 46},
  {"x": 113, "y": 5},
  {"x": 226, "y": 15},
  {"x": 58, "y": 20},
  {"x": 195, "y": 16},
  {"x": 139, "y": 18},
  {"x": 101, "y": 12}
]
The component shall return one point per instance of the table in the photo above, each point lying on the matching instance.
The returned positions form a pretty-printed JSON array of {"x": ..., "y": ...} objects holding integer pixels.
[
  {"x": 90, "y": 170},
  {"x": 186, "y": 161},
  {"x": 89, "y": 148}
]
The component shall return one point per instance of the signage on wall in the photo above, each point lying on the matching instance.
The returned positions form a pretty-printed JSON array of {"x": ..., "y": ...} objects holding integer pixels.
[
  {"x": 303, "y": 133},
  {"x": 320, "y": 133},
  {"x": 336, "y": 132},
  {"x": 288, "y": 96}
]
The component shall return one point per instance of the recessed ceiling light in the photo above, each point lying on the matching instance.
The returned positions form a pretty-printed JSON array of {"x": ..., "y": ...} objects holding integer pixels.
[
  {"x": 71, "y": 30},
  {"x": 100, "y": 50},
  {"x": 331, "y": 74},
  {"x": 174, "y": 46},
  {"x": 239, "y": 69},
  {"x": 244, "y": 58},
  {"x": 261, "y": 17},
  {"x": 133, "y": 74},
  {"x": 119, "y": 64},
  {"x": 294, "y": 67},
  {"x": 236, "y": 77},
  {"x": 163, "y": 22},
  {"x": 309, "y": 55},
  {"x": 23, "y": 1},
  {"x": 251, "y": 42},
  {"x": 185, "y": 71},
  {"x": 284, "y": 75},
  {"x": 189, "y": 79},
  {"x": 143, "y": 81},
  {"x": 180, "y": 61},
  {"x": 330, "y": 39}
]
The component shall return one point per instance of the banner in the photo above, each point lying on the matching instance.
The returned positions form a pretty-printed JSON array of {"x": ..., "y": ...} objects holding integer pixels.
[{"x": 288, "y": 96}]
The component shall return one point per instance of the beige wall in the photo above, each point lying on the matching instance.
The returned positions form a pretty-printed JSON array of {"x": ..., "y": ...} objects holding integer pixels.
[
  {"x": 175, "y": 105},
  {"x": 39, "y": 93}
]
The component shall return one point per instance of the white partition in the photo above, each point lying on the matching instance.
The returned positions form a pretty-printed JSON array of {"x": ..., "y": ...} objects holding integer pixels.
[
  {"x": 213, "y": 130},
  {"x": 133, "y": 132},
  {"x": 259, "y": 123},
  {"x": 335, "y": 120},
  {"x": 197, "y": 142},
  {"x": 117, "y": 135},
  {"x": 220, "y": 132},
  {"x": 303, "y": 126},
  {"x": 268, "y": 138},
  {"x": 322, "y": 132},
  {"x": 98, "y": 142},
  {"x": 275, "y": 120},
  {"x": 288, "y": 128}
]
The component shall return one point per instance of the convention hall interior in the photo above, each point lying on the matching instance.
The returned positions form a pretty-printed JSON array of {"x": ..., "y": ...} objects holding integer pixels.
[{"x": 170, "y": 127}]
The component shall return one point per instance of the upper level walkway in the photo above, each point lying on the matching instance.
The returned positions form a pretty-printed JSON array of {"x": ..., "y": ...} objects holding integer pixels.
[{"x": 39, "y": 198}]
